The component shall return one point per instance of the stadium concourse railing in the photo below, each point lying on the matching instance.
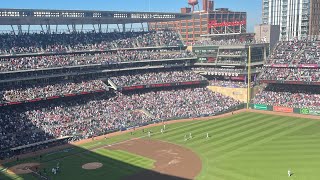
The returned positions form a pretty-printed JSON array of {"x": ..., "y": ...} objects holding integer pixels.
[
  {"x": 4, "y": 103},
  {"x": 98, "y": 50},
  {"x": 146, "y": 86},
  {"x": 305, "y": 111}
]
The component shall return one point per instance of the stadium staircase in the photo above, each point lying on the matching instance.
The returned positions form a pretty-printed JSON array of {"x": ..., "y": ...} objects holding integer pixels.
[
  {"x": 298, "y": 53},
  {"x": 147, "y": 113},
  {"x": 114, "y": 46},
  {"x": 138, "y": 43},
  {"x": 112, "y": 84}
]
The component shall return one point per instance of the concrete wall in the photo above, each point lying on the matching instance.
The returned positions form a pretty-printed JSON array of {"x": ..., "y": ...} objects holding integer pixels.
[{"x": 270, "y": 33}]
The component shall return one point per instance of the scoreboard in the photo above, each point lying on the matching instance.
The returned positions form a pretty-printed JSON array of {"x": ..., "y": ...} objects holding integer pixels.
[{"x": 206, "y": 54}]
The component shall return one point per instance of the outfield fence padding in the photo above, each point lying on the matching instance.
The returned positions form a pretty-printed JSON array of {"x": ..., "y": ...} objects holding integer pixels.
[{"x": 305, "y": 111}]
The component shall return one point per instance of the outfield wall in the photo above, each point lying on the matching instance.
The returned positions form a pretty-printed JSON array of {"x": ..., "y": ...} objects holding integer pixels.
[
  {"x": 236, "y": 93},
  {"x": 305, "y": 111}
]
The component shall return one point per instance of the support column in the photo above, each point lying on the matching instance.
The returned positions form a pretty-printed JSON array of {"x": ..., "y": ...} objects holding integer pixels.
[
  {"x": 48, "y": 28},
  {"x": 19, "y": 29},
  {"x": 74, "y": 28},
  {"x": 123, "y": 27},
  {"x": 99, "y": 28},
  {"x": 14, "y": 32},
  {"x": 41, "y": 27}
]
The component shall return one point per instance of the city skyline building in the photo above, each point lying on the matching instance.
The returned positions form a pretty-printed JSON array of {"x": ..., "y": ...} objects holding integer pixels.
[{"x": 296, "y": 18}]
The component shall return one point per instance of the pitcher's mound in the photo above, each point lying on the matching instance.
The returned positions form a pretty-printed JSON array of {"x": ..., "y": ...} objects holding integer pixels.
[
  {"x": 93, "y": 165},
  {"x": 25, "y": 168}
]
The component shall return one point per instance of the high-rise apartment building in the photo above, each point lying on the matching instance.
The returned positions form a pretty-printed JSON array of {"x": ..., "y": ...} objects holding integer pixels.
[{"x": 296, "y": 18}]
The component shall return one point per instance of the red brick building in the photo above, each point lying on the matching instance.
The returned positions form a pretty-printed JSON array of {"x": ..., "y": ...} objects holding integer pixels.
[{"x": 206, "y": 21}]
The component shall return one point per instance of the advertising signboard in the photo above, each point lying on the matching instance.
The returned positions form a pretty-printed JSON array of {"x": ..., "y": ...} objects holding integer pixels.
[
  {"x": 304, "y": 111},
  {"x": 315, "y": 112},
  {"x": 260, "y": 107},
  {"x": 282, "y": 109}
]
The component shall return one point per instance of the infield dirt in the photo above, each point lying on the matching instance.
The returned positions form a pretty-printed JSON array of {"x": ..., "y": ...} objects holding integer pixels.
[{"x": 172, "y": 161}]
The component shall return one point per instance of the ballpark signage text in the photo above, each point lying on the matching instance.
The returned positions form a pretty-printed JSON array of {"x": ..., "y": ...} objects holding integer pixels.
[
  {"x": 282, "y": 109},
  {"x": 304, "y": 111},
  {"x": 260, "y": 107},
  {"x": 315, "y": 112}
]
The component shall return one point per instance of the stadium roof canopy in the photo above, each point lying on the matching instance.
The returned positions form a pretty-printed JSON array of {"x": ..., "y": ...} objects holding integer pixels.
[{"x": 64, "y": 17}]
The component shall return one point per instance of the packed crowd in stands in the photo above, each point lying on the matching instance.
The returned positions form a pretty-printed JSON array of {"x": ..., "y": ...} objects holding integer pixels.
[
  {"x": 36, "y": 91},
  {"x": 224, "y": 42},
  {"x": 227, "y": 60},
  {"x": 157, "y": 77},
  {"x": 278, "y": 74},
  {"x": 40, "y": 62},
  {"x": 48, "y": 43},
  {"x": 232, "y": 84},
  {"x": 227, "y": 70},
  {"x": 185, "y": 103},
  {"x": 291, "y": 74},
  {"x": 285, "y": 52},
  {"x": 296, "y": 96},
  {"x": 296, "y": 52},
  {"x": 310, "y": 54},
  {"x": 213, "y": 69},
  {"x": 91, "y": 116}
]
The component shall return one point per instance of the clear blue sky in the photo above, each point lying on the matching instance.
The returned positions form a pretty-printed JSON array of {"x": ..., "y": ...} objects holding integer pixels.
[{"x": 252, "y": 7}]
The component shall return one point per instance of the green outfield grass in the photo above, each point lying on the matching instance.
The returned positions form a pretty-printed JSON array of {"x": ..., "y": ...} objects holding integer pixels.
[{"x": 241, "y": 147}]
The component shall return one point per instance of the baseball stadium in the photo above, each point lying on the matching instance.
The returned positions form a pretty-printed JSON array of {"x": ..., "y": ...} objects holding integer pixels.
[{"x": 146, "y": 96}]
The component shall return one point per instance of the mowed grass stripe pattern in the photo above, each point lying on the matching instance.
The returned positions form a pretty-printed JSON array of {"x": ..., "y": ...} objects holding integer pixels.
[
  {"x": 240, "y": 147},
  {"x": 116, "y": 165},
  {"x": 249, "y": 145}
]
